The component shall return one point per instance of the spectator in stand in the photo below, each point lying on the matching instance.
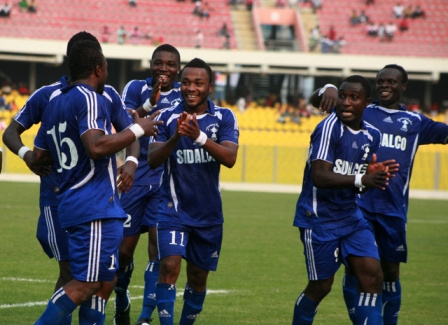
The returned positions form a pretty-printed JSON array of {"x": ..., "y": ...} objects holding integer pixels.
[
  {"x": 389, "y": 31},
  {"x": 249, "y": 4},
  {"x": 354, "y": 19},
  {"x": 314, "y": 38},
  {"x": 224, "y": 30},
  {"x": 105, "y": 34},
  {"x": 339, "y": 44},
  {"x": 404, "y": 24},
  {"x": 204, "y": 11},
  {"x": 135, "y": 35},
  {"x": 372, "y": 28},
  {"x": 32, "y": 7},
  {"x": 5, "y": 10},
  {"x": 363, "y": 18},
  {"x": 398, "y": 10},
  {"x": 408, "y": 11},
  {"x": 198, "y": 39},
  {"x": 197, "y": 7},
  {"x": 121, "y": 35},
  {"x": 381, "y": 32},
  {"x": 316, "y": 4},
  {"x": 132, "y": 3},
  {"x": 418, "y": 12},
  {"x": 326, "y": 44},
  {"x": 370, "y": 2},
  {"x": 332, "y": 33},
  {"x": 23, "y": 5}
]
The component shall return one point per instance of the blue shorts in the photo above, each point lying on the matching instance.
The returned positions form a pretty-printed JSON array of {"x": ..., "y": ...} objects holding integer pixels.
[
  {"x": 140, "y": 204},
  {"x": 198, "y": 245},
  {"x": 94, "y": 249},
  {"x": 390, "y": 235},
  {"x": 324, "y": 257},
  {"x": 52, "y": 238}
]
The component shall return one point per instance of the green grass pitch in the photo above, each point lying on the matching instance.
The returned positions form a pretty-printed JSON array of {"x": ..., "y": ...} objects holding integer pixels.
[{"x": 261, "y": 269}]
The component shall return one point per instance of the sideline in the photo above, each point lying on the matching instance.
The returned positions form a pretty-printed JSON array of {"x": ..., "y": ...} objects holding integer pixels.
[{"x": 249, "y": 187}]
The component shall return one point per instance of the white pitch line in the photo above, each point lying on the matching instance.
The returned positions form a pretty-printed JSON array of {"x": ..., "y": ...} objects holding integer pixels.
[{"x": 180, "y": 292}]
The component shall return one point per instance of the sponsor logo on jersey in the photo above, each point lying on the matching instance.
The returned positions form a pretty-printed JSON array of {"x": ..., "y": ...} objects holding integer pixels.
[
  {"x": 393, "y": 141},
  {"x": 193, "y": 156}
]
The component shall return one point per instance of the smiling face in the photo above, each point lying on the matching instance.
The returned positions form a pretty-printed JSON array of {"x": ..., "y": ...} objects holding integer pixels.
[
  {"x": 165, "y": 66},
  {"x": 195, "y": 88},
  {"x": 390, "y": 87},
  {"x": 352, "y": 100}
]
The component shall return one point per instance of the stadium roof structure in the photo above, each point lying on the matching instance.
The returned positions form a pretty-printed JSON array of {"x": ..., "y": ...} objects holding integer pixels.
[{"x": 265, "y": 62}]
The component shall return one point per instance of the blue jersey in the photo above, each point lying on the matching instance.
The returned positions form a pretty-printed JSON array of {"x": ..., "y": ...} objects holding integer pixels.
[
  {"x": 349, "y": 151},
  {"x": 135, "y": 94},
  {"x": 32, "y": 113},
  {"x": 87, "y": 187},
  {"x": 402, "y": 132},
  {"x": 189, "y": 192}
]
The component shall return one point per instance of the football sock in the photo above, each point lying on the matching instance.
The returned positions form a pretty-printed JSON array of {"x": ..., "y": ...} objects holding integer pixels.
[
  {"x": 193, "y": 302},
  {"x": 92, "y": 311},
  {"x": 349, "y": 288},
  {"x": 368, "y": 308},
  {"x": 304, "y": 310},
  {"x": 391, "y": 302},
  {"x": 58, "y": 308},
  {"x": 121, "y": 288},
  {"x": 166, "y": 296},
  {"x": 149, "y": 296}
]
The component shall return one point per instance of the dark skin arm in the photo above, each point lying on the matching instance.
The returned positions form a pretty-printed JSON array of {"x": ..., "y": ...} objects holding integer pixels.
[
  {"x": 126, "y": 172},
  {"x": 326, "y": 101},
  {"x": 154, "y": 98},
  {"x": 225, "y": 153},
  {"x": 12, "y": 139},
  {"x": 324, "y": 177},
  {"x": 98, "y": 144}
]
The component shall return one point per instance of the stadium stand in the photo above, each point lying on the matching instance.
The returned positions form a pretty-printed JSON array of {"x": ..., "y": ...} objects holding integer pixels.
[
  {"x": 426, "y": 37},
  {"x": 169, "y": 21}
]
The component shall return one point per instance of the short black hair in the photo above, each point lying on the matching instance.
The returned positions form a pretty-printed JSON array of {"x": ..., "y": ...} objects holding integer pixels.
[
  {"x": 81, "y": 36},
  {"x": 403, "y": 72},
  {"x": 167, "y": 48},
  {"x": 84, "y": 57},
  {"x": 361, "y": 80},
  {"x": 199, "y": 63}
]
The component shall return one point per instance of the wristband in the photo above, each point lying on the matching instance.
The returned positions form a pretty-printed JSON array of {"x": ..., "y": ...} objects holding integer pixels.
[
  {"x": 23, "y": 151},
  {"x": 358, "y": 181},
  {"x": 322, "y": 90},
  {"x": 202, "y": 139},
  {"x": 147, "y": 106},
  {"x": 132, "y": 158},
  {"x": 137, "y": 130}
]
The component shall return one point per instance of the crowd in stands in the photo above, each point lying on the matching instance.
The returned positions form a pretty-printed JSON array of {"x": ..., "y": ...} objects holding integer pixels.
[
  {"x": 386, "y": 30},
  {"x": 328, "y": 43}
]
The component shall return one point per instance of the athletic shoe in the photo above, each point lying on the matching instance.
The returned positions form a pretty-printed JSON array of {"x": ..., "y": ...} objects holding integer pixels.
[{"x": 144, "y": 321}]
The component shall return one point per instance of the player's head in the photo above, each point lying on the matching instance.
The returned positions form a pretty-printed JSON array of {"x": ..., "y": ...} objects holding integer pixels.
[
  {"x": 81, "y": 36},
  {"x": 165, "y": 65},
  {"x": 86, "y": 62},
  {"x": 353, "y": 97},
  {"x": 196, "y": 83},
  {"x": 391, "y": 82}
]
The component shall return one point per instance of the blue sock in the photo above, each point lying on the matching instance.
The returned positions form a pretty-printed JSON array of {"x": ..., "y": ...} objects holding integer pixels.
[
  {"x": 166, "y": 296},
  {"x": 391, "y": 302},
  {"x": 350, "y": 290},
  {"x": 193, "y": 302},
  {"x": 59, "y": 307},
  {"x": 149, "y": 296},
  {"x": 368, "y": 308},
  {"x": 121, "y": 288},
  {"x": 304, "y": 310},
  {"x": 92, "y": 311}
]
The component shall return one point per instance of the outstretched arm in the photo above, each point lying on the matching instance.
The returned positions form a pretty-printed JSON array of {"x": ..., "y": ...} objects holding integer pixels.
[
  {"x": 12, "y": 139},
  {"x": 324, "y": 98}
]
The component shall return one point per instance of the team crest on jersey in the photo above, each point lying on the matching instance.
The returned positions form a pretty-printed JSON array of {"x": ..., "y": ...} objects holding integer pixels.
[
  {"x": 213, "y": 128},
  {"x": 366, "y": 148},
  {"x": 406, "y": 122},
  {"x": 175, "y": 102}
]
